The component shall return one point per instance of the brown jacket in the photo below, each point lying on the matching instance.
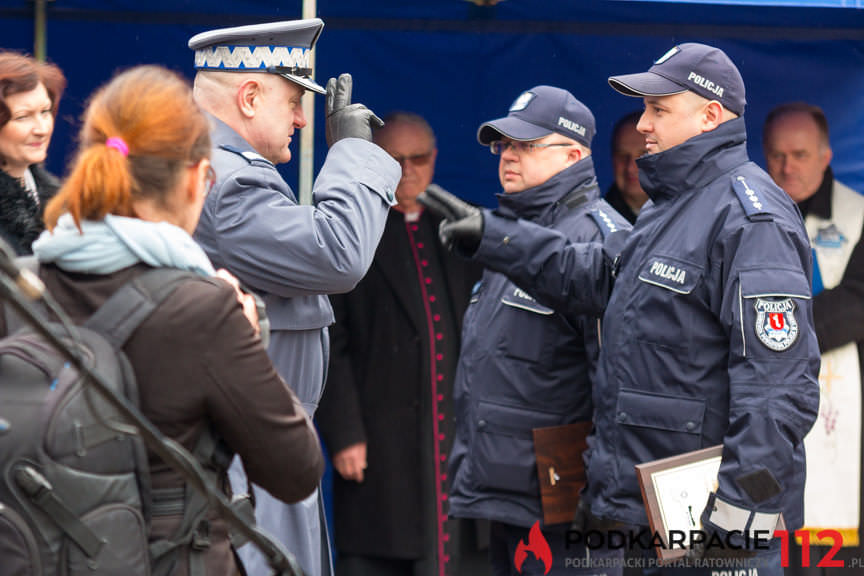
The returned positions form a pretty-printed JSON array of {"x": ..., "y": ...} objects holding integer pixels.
[{"x": 198, "y": 362}]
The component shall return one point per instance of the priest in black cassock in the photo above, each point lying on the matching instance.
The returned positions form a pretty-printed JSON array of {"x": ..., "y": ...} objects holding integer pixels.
[{"x": 386, "y": 416}]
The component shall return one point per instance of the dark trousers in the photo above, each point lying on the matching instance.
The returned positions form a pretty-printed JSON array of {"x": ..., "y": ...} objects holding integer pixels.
[
  {"x": 371, "y": 566},
  {"x": 467, "y": 564}
]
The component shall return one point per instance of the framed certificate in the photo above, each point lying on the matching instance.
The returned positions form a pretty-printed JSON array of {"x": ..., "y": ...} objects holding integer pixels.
[{"x": 675, "y": 491}]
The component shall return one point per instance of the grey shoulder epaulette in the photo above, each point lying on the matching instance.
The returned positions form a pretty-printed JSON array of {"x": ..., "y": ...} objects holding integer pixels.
[
  {"x": 604, "y": 221},
  {"x": 251, "y": 157},
  {"x": 753, "y": 204}
]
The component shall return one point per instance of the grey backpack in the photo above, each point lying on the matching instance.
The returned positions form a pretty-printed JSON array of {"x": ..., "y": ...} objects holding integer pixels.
[{"x": 75, "y": 496}]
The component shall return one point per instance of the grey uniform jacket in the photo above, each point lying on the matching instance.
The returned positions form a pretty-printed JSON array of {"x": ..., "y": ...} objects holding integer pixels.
[{"x": 293, "y": 255}]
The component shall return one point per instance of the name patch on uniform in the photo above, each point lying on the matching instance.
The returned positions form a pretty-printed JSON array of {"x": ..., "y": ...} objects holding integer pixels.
[
  {"x": 776, "y": 326},
  {"x": 670, "y": 273},
  {"x": 518, "y": 298}
]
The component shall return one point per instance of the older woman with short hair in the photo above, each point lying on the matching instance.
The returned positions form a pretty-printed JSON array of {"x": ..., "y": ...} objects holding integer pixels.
[{"x": 29, "y": 95}]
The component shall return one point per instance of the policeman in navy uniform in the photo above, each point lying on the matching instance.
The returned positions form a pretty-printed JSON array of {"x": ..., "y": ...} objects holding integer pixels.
[
  {"x": 250, "y": 79},
  {"x": 522, "y": 365},
  {"x": 708, "y": 333}
]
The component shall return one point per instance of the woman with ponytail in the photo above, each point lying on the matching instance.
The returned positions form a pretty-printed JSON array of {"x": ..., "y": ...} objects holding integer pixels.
[
  {"x": 130, "y": 203},
  {"x": 29, "y": 95}
]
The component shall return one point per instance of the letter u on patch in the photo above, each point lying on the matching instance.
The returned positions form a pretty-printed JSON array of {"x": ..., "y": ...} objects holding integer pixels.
[{"x": 776, "y": 326}]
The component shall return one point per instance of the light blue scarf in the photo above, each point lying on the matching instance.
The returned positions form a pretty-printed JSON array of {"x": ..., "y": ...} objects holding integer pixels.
[{"x": 103, "y": 247}]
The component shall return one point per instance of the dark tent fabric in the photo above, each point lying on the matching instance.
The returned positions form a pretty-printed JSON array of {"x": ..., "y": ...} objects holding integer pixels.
[{"x": 460, "y": 64}]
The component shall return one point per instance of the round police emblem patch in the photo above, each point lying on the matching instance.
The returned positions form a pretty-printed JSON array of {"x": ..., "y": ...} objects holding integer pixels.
[{"x": 776, "y": 326}]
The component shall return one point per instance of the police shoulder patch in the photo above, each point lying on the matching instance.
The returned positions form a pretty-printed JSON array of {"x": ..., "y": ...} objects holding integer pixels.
[
  {"x": 752, "y": 202},
  {"x": 604, "y": 221},
  {"x": 776, "y": 326}
]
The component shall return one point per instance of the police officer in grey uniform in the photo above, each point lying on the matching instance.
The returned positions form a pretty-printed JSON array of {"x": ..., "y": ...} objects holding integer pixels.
[
  {"x": 708, "y": 331},
  {"x": 251, "y": 79}
]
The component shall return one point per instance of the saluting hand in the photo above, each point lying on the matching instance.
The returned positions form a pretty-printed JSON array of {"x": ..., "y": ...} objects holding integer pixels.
[
  {"x": 346, "y": 120},
  {"x": 462, "y": 226}
]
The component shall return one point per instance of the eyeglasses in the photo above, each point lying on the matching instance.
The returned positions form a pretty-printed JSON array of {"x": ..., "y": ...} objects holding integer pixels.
[
  {"x": 415, "y": 159},
  {"x": 499, "y": 146}
]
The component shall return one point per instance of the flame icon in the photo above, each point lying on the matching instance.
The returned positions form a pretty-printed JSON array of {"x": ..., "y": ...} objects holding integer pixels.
[{"x": 537, "y": 545}]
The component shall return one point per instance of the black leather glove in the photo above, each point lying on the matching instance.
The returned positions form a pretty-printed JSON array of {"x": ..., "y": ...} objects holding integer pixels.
[
  {"x": 346, "y": 120},
  {"x": 462, "y": 226}
]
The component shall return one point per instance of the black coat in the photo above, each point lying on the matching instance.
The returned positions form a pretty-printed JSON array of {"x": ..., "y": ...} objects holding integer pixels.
[
  {"x": 379, "y": 368},
  {"x": 20, "y": 217}
]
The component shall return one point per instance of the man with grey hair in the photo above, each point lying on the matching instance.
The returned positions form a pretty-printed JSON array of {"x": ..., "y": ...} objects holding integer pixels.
[
  {"x": 250, "y": 79},
  {"x": 798, "y": 156}
]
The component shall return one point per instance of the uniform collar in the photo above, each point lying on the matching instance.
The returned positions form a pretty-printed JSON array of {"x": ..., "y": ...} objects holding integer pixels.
[
  {"x": 223, "y": 135},
  {"x": 819, "y": 204},
  {"x": 615, "y": 198},
  {"x": 532, "y": 203},
  {"x": 694, "y": 163}
]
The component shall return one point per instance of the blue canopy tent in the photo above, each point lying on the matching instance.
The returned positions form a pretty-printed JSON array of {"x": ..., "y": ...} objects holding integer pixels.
[{"x": 460, "y": 63}]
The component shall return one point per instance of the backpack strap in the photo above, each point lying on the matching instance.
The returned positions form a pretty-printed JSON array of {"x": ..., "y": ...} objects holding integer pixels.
[
  {"x": 11, "y": 318},
  {"x": 28, "y": 263},
  {"x": 116, "y": 320},
  {"x": 133, "y": 303},
  {"x": 40, "y": 491},
  {"x": 191, "y": 505}
]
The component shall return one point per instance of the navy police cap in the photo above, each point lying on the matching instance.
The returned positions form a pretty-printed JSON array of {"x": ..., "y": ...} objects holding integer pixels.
[
  {"x": 702, "y": 69},
  {"x": 539, "y": 112},
  {"x": 283, "y": 48}
]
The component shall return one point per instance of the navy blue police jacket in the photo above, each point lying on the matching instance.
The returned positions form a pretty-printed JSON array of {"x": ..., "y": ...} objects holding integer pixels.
[
  {"x": 522, "y": 365},
  {"x": 708, "y": 331}
]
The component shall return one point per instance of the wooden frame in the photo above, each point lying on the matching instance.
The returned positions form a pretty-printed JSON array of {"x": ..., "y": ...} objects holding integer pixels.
[
  {"x": 675, "y": 491},
  {"x": 560, "y": 472}
]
